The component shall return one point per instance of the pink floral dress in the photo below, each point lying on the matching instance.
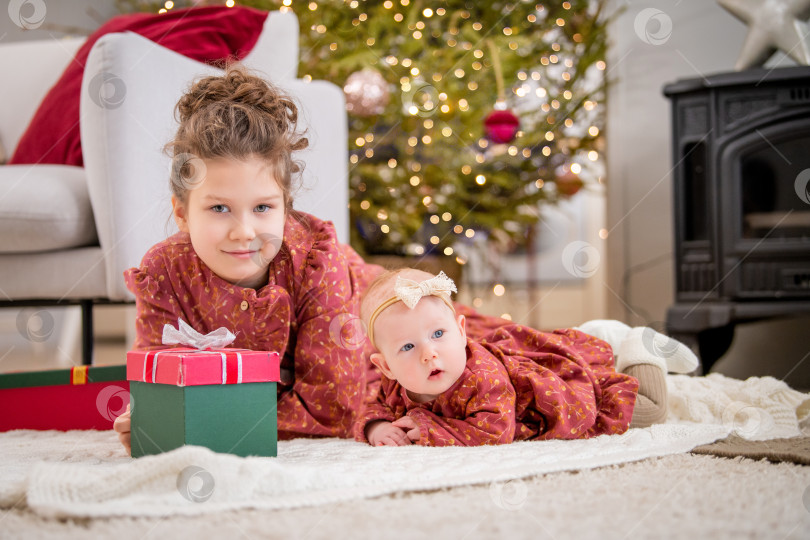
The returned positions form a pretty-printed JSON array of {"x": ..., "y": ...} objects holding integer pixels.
[{"x": 519, "y": 384}]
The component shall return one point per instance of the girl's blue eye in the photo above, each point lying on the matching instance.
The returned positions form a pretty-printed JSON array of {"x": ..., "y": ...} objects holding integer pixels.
[
  {"x": 219, "y": 208},
  {"x": 438, "y": 333},
  {"x": 407, "y": 347},
  {"x": 262, "y": 208}
]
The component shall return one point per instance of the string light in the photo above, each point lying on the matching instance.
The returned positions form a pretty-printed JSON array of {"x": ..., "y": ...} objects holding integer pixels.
[{"x": 442, "y": 129}]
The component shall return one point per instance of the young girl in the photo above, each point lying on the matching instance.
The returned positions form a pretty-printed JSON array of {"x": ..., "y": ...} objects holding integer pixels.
[
  {"x": 441, "y": 388},
  {"x": 245, "y": 260}
]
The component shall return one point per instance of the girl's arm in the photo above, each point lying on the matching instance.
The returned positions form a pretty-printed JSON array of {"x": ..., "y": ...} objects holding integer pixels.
[
  {"x": 330, "y": 366},
  {"x": 155, "y": 302}
]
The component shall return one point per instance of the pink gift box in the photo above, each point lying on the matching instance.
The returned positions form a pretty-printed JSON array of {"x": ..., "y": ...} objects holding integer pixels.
[{"x": 193, "y": 367}]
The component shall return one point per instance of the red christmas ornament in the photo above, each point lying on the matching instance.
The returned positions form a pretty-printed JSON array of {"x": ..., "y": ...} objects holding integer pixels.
[
  {"x": 501, "y": 125},
  {"x": 568, "y": 183}
]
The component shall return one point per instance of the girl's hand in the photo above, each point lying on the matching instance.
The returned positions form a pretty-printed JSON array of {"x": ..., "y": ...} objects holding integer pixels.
[
  {"x": 382, "y": 433},
  {"x": 122, "y": 426},
  {"x": 407, "y": 424}
]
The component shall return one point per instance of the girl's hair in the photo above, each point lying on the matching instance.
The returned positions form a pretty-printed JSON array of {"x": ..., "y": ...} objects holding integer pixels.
[{"x": 235, "y": 116}]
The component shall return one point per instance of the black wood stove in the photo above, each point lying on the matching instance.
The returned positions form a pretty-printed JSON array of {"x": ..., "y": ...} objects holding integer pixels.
[{"x": 741, "y": 151}]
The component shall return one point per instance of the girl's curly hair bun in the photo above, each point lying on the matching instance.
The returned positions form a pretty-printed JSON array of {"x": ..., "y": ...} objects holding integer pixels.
[{"x": 238, "y": 115}]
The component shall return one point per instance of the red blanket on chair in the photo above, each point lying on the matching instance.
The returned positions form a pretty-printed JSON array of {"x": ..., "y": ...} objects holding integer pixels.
[{"x": 207, "y": 34}]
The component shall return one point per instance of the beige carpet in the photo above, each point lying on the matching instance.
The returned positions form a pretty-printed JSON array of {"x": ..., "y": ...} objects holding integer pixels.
[{"x": 679, "y": 496}]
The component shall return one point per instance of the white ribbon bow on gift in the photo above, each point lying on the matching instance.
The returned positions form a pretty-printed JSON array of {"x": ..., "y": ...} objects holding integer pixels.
[
  {"x": 410, "y": 291},
  {"x": 184, "y": 334}
]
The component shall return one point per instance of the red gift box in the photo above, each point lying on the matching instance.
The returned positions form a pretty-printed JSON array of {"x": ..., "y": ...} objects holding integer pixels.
[
  {"x": 193, "y": 367},
  {"x": 84, "y": 397}
]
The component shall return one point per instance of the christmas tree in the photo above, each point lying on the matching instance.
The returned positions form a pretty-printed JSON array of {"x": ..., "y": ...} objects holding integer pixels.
[{"x": 464, "y": 116}]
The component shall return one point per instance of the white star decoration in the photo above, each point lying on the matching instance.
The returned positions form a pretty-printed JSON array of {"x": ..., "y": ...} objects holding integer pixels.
[{"x": 773, "y": 24}]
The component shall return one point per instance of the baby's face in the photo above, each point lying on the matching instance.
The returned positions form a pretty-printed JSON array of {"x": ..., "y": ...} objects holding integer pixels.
[{"x": 423, "y": 348}]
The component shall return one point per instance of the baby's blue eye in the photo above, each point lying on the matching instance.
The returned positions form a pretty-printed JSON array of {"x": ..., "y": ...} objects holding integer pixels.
[
  {"x": 438, "y": 333},
  {"x": 262, "y": 208},
  {"x": 219, "y": 208},
  {"x": 407, "y": 347}
]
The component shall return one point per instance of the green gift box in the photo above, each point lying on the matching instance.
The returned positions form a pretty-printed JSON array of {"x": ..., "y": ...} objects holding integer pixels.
[{"x": 223, "y": 399}]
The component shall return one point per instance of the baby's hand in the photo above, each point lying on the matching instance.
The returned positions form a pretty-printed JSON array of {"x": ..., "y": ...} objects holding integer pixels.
[
  {"x": 122, "y": 426},
  {"x": 382, "y": 433},
  {"x": 407, "y": 424}
]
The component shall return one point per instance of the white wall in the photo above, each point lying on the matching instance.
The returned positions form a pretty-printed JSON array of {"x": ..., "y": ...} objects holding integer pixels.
[{"x": 684, "y": 39}]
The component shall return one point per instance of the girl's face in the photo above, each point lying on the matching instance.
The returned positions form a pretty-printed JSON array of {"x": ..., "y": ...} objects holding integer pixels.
[
  {"x": 423, "y": 348},
  {"x": 235, "y": 217}
]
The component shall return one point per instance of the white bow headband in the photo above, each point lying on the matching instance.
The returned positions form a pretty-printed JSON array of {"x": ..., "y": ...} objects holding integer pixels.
[{"x": 409, "y": 292}]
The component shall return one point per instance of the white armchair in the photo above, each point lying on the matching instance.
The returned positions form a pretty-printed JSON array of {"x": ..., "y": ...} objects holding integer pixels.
[{"x": 68, "y": 233}]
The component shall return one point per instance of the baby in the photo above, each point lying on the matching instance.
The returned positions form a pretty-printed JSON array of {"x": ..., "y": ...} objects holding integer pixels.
[{"x": 441, "y": 388}]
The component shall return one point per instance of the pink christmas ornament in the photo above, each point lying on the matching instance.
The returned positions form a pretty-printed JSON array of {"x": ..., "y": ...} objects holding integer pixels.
[
  {"x": 366, "y": 93},
  {"x": 501, "y": 125}
]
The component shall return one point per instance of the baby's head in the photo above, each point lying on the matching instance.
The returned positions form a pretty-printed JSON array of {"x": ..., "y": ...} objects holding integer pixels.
[
  {"x": 419, "y": 339},
  {"x": 232, "y": 173}
]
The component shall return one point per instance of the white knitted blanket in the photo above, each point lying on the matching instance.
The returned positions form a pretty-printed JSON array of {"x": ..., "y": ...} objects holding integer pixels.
[{"x": 87, "y": 474}]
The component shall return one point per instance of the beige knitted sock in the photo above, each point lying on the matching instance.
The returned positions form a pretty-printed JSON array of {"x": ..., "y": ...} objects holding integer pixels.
[{"x": 651, "y": 401}]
